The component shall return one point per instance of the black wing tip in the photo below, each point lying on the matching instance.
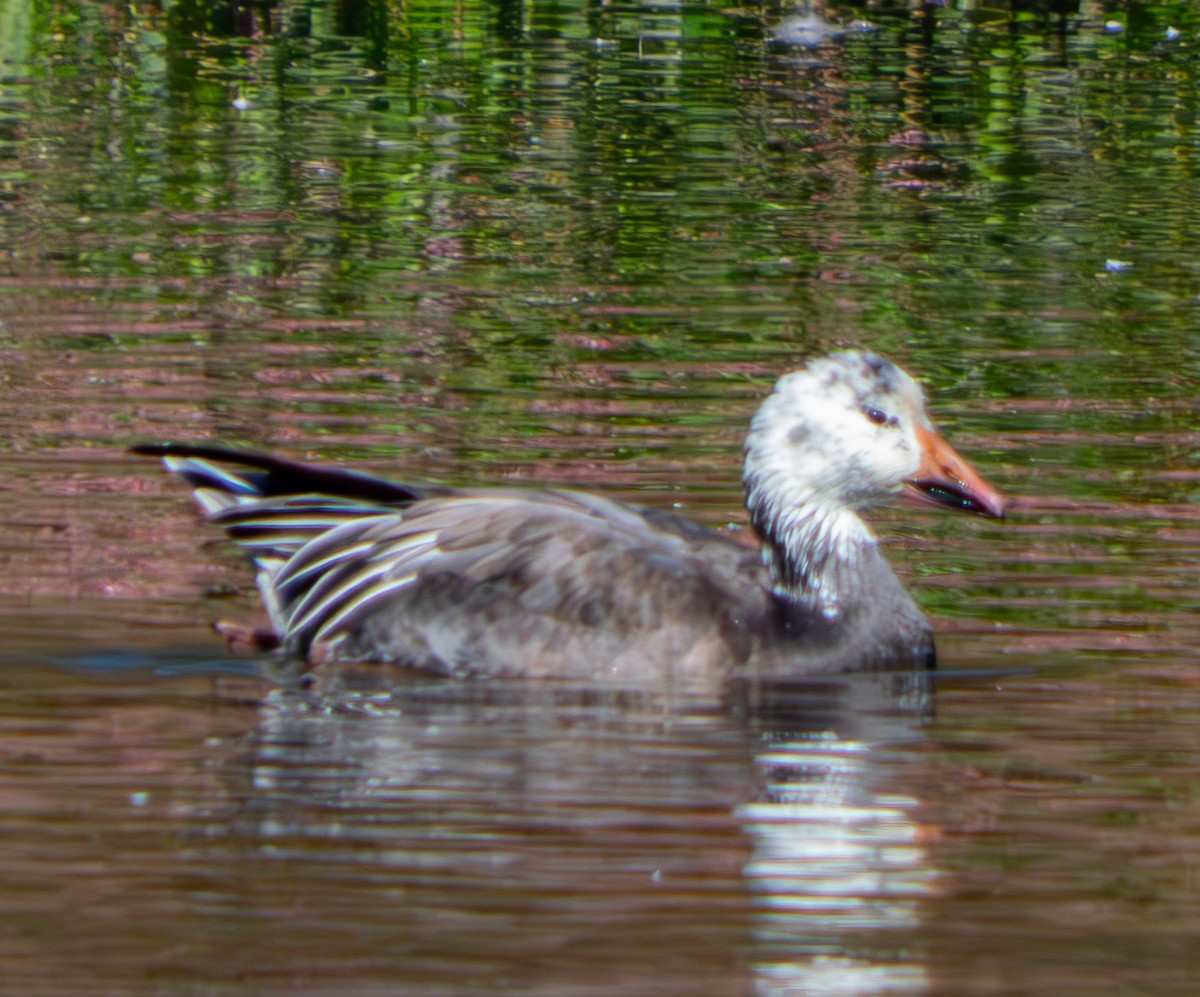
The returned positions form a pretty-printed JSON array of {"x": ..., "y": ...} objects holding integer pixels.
[
  {"x": 211, "y": 451},
  {"x": 149, "y": 449},
  {"x": 280, "y": 476}
]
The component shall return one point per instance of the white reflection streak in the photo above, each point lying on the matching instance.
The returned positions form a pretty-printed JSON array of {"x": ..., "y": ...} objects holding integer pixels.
[{"x": 833, "y": 858}]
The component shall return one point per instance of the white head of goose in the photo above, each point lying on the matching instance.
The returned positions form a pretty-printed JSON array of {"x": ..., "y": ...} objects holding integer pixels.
[{"x": 571, "y": 585}]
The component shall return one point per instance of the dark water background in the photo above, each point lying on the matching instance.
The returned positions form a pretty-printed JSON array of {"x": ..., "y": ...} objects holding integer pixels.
[{"x": 574, "y": 244}]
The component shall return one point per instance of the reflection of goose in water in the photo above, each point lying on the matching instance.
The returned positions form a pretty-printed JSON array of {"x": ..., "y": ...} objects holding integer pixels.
[
  {"x": 840, "y": 864},
  {"x": 589, "y": 843},
  {"x": 571, "y": 585}
]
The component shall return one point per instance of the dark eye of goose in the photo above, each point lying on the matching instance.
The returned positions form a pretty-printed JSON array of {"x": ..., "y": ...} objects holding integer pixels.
[{"x": 879, "y": 416}]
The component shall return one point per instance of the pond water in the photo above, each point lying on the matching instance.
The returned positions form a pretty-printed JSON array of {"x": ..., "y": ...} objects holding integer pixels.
[{"x": 574, "y": 244}]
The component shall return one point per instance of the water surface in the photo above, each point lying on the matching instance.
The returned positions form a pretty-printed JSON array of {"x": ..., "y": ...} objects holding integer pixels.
[{"x": 508, "y": 242}]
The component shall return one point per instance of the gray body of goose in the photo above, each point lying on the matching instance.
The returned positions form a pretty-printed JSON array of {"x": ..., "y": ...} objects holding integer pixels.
[{"x": 572, "y": 585}]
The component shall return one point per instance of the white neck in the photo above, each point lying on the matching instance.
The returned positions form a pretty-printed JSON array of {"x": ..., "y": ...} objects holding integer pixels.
[{"x": 815, "y": 552}]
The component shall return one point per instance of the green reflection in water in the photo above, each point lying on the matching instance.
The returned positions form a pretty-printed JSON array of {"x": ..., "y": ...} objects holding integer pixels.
[{"x": 608, "y": 203}]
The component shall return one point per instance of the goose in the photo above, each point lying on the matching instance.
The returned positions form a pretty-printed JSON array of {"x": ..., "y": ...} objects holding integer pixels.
[{"x": 508, "y": 583}]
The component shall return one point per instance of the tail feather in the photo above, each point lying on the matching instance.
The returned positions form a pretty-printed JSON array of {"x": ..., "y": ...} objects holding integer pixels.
[{"x": 272, "y": 507}]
